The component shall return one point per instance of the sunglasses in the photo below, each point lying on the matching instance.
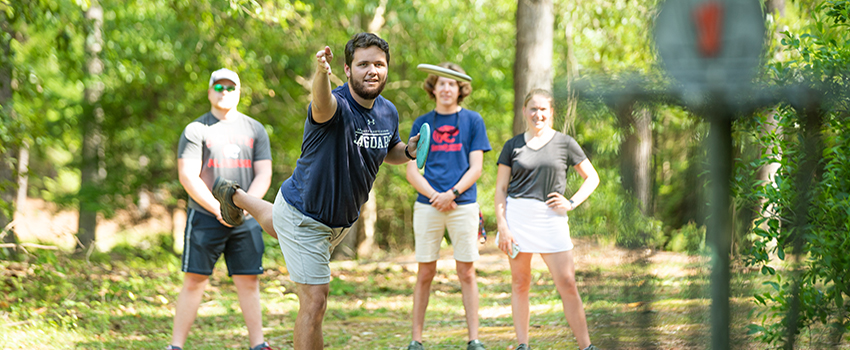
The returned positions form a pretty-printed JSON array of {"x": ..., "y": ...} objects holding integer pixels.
[
  {"x": 446, "y": 130},
  {"x": 220, "y": 88}
]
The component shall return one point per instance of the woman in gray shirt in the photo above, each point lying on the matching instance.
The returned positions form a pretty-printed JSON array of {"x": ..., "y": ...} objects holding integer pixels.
[{"x": 531, "y": 211}]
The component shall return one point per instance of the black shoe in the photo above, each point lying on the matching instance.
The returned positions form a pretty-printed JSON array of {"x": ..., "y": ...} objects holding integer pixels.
[
  {"x": 223, "y": 191},
  {"x": 475, "y": 345}
]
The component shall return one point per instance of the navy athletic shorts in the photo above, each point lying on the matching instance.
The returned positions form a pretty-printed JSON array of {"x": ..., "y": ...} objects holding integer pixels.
[{"x": 206, "y": 239}]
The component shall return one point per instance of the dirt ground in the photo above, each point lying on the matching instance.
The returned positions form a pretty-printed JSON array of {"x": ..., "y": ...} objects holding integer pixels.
[{"x": 38, "y": 221}]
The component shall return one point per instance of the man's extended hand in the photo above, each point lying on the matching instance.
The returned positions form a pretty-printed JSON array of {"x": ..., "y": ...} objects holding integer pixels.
[
  {"x": 411, "y": 145},
  {"x": 323, "y": 58}
]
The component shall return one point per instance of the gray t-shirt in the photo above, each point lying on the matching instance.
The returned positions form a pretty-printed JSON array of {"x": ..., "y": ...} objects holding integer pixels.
[
  {"x": 226, "y": 148},
  {"x": 536, "y": 173}
]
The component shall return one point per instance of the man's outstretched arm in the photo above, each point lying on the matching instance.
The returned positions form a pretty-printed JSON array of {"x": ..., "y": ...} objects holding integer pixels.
[{"x": 324, "y": 103}]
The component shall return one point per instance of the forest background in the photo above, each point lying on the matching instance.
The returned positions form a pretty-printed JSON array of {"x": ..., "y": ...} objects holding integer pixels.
[{"x": 94, "y": 103}]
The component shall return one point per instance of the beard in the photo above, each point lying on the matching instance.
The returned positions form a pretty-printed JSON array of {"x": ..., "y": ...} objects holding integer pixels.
[{"x": 363, "y": 92}]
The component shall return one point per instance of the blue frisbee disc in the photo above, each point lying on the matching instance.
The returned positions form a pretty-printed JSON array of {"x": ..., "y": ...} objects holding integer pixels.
[{"x": 423, "y": 146}]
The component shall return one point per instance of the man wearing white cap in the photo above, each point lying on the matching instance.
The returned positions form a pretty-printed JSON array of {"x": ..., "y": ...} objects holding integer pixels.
[{"x": 222, "y": 143}]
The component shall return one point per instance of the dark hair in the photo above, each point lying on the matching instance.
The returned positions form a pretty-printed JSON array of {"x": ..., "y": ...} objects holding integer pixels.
[
  {"x": 362, "y": 41},
  {"x": 464, "y": 88}
]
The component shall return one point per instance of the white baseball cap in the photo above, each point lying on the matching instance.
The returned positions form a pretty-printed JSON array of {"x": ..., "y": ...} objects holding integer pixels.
[{"x": 224, "y": 73}]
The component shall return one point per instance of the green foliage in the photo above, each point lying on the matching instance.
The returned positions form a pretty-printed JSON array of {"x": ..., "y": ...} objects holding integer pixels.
[
  {"x": 690, "y": 238},
  {"x": 820, "y": 269},
  {"x": 157, "y": 56}
]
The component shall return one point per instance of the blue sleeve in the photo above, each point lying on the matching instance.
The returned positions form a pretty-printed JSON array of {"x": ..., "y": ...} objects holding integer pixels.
[
  {"x": 395, "y": 140},
  {"x": 479, "y": 135}
]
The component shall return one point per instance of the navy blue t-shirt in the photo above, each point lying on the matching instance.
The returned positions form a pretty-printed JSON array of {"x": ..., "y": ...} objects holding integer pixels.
[
  {"x": 340, "y": 159},
  {"x": 453, "y": 136}
]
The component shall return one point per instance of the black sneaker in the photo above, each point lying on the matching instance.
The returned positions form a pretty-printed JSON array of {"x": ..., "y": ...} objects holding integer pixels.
[
  {"x": 223, "y": 191},
  {"x": 523, "y": 346},
  {"x": 591, "y": 347},
  {"x": 172, "y": 347},
  {"x": 415, "y": 345},
  {"x": 475, "y": 345}
]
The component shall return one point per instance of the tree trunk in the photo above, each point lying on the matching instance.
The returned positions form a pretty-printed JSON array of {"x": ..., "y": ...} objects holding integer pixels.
[
  {"x": 775, "y": 7},
  {"x": 368, "y": 217},
  {"x": 571, "y": 100},
  {"x": 345, "y": 249},
  {"x": 178, "y": 226},
  {"x": 535, "y": 25},
  {"x": 765, "y": 174},
  {"x": 636, "y": 154},
  {"x": 23, "y": 176},
  {"x": 91, "y": 170},
  {"x": 8, "y": 157}
]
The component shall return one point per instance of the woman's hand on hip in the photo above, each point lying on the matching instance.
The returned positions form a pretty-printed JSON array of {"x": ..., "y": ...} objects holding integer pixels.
[{"x": 559, "y": 203}]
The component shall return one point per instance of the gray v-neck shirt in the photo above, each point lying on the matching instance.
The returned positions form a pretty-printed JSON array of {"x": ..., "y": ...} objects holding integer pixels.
[{"x": 537, "y": 172}]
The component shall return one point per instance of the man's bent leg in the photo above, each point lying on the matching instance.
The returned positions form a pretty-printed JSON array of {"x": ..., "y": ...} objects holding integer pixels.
[
  {"x": 469, "y": 290},
  {"x": 421, "y": 293},
  {"x": 259, "y": 208},
  {"x": 187, "y": 306},
  {"x": 313, "y": 301},
  {"x": 248, "y": 290}
]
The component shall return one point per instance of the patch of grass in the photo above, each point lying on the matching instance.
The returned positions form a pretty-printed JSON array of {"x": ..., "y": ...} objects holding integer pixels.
[{"x": 124, "y": 299}]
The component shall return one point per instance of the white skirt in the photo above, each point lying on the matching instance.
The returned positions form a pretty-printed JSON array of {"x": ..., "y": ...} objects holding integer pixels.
[{"x": 536, "y": 227}]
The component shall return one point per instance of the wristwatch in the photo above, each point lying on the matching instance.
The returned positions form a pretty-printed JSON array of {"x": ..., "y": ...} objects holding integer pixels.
[
  {"x": 455, "y": 192},
  {"x": 572, "y": 204},
  {"x": 407, "y": 154}
]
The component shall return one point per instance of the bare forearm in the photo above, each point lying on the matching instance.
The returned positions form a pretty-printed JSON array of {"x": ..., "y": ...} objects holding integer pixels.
[
  {"x": 468, "y": 179},
  {"x": 322, "y": 98},
  {"x": 199, "y": 192},
  {"x": 395, "y": 155},
  {"x": 503, "y": 178},
  {"x": 591, "y": 181},
  {"x": 324, "y": 104},
  {"x": 587, "y": 187},
  {"x": 418, "y": 181},
  {"x": 500, "y": 201}
]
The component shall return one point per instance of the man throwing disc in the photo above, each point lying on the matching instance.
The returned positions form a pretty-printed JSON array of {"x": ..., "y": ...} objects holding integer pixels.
[{"x": 348, "y": 133}]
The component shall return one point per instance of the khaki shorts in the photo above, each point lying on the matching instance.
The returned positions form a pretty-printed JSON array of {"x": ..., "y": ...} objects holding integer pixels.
[
  {"x": 306, "y": 243},
  {"x": 429, "y": 224}
]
